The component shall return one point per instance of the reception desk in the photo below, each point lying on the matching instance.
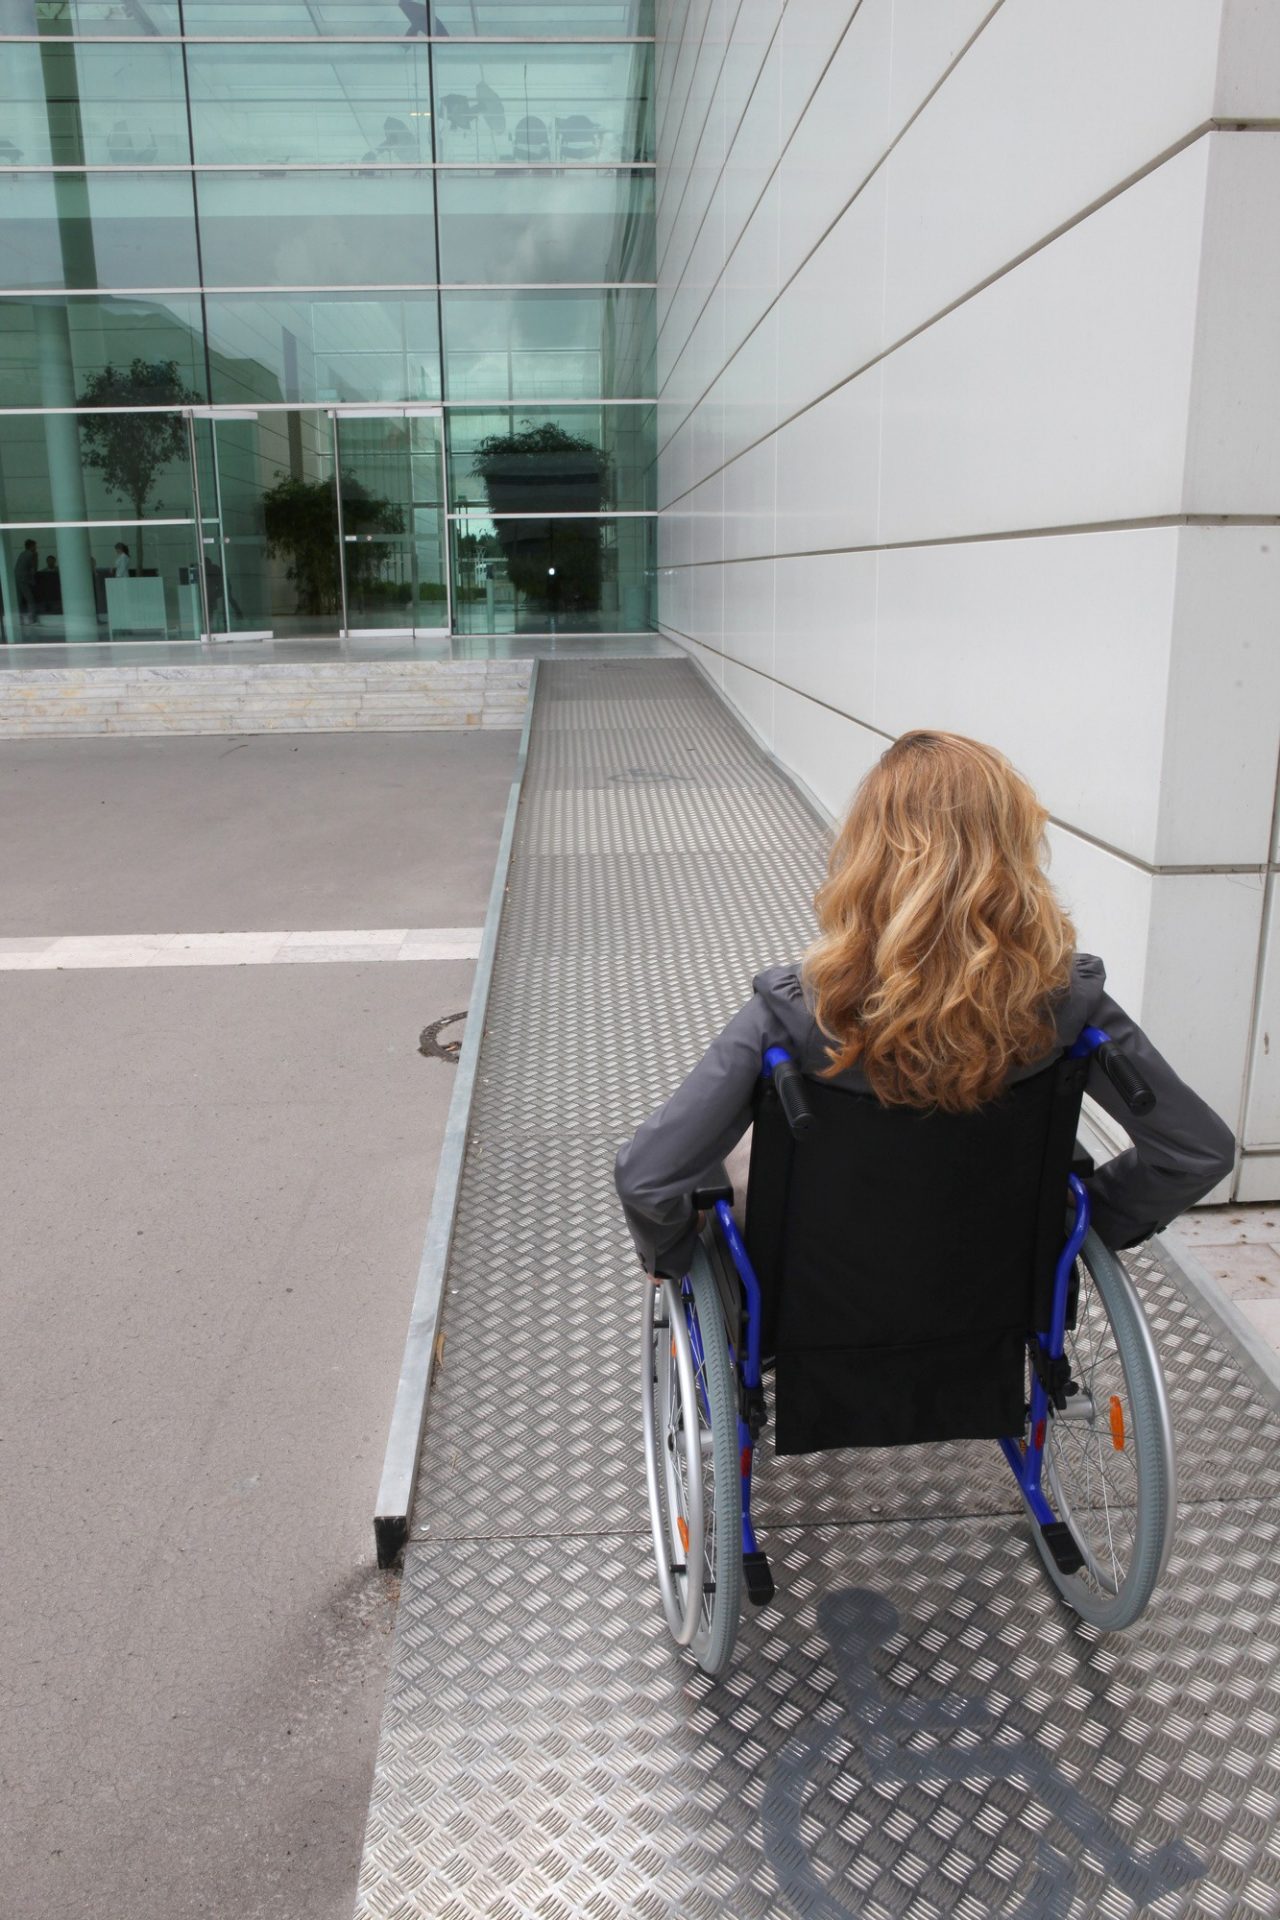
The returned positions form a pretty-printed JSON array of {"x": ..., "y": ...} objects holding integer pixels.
[{"x": 135, "y": 605}]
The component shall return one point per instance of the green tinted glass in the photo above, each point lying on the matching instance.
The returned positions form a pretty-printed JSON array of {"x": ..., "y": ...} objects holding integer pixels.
[
  {"x": 557, "y": 344},
  {"x": 97, "y": 230},
  {"x": 318, "y": 105},
  {"x": 99, "y": 466},
  {"x": 508, "y": 227},
  {"x": 543, "y": 105},
  {"x": 552, "y": 576},
  {"x": 54, "y": 350},
  {"x": 69, "y": 106},
  {"x": 90, "y": 585},
  {"x": 269, "y": 521},
  {"x": 574, "y": 460},
  {"x": 306, "y": 19},
  {"x": 331, "y": 19},
  {"x": 545, "y": 19},
  {"x": 95, "y": 19},
  {"x": 323, "y": 347},
  {"x": 316, "y": 229},
  {"x": 563, "y": 344}
]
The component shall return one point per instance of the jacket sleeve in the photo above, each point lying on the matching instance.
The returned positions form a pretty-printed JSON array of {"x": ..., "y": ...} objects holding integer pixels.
[
  {"x": 708, "y": 1112},
  {"x": 1180, "y": 1149}
]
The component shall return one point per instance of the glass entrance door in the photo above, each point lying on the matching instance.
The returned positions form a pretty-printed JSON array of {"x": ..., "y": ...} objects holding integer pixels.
[
  {"x": 392, "y": 532},
  {"x": 268, "y": 512}
]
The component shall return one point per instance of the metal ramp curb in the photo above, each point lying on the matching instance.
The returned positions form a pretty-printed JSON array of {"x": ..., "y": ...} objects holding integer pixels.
[{"x": 404, "y": 1440}]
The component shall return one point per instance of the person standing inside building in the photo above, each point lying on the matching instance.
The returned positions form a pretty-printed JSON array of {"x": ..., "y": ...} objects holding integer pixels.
[
  {"x": 24, "y": 579},
  {"x": 121, "y": 567}
]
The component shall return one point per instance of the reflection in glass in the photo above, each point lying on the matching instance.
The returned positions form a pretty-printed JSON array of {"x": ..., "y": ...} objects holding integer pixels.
[
  {"x": 104, "y": 584},
  {"x": 551, "y": 576},
  {"x": 316, "y": 229},
  {"x": 97, "y": 230},
  {"x": 544, "y": 105},
  {"x": 301, "y": 106},
  {"x": 331, "y": 19},
  {"x": 393, "y": 533},
  {"x": 562, "y": 344},
  {"x": 127, "y": 466},
  {"x": 573, "y": 460},
  {"x": 323, "y": 347},
  {"x": 83, "y": 335},
  {"x": 308, "y": 19},
  {"x": 66, "y": 106},
  {"x": 547, "y": 19},
  {"x": 95, "y": 19},
  {"x": 269, "y": 516},
  {"x": 510, "y": 227}
]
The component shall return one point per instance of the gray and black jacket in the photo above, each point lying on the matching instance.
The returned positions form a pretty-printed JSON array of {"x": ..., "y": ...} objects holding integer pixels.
[{"x": 1180, "y": 1149}]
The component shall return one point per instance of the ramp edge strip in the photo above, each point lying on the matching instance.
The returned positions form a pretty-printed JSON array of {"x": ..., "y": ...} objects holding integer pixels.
[{"x": 404, "y": 1438}]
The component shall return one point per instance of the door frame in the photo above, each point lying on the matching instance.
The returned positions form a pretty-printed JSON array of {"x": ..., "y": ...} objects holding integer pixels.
[
  {"x": 410, "y": 410},
  {"x": 214, "y": 415}
]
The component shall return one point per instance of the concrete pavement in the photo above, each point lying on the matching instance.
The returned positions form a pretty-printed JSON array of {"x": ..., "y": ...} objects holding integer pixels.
[{"x": 215, "y": 1184}]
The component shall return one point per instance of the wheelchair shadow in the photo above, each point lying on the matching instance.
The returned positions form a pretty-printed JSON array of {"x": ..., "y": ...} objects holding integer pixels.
[{"x": 904, "y": 1741}]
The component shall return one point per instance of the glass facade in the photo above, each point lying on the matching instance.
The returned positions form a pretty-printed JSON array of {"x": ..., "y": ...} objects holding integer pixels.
[{"x": 322, "y": 319}]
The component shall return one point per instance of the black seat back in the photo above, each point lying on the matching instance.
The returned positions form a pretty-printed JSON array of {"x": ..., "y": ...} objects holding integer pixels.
[{"x": 904, "y": 1257}]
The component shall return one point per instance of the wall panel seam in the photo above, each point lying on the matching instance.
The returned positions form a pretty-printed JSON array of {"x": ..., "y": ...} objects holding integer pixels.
[
  {"x": 899, "y": 136},
  {"x": 1152, "y": 869},
  {"x": 1264, "y": 954},
  {"x": 693, "y": 158},
  {"x": 1077, "y": 219},
  {"x": 660, "y": 125},
  {"x": 729, "y": 145},
  {"x": 785, "y": 144},
  {"x": 1136, "y": 524},
  {"x": 671, "y": 170}
]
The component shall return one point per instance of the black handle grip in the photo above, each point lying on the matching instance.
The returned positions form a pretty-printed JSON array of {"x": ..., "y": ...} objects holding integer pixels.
[
  {"x": 1126, "y": 1079},
  {"x": 789, "y": 1081}
]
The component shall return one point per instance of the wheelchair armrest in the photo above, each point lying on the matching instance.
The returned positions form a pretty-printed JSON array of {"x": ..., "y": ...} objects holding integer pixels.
[{"x": 713, "y": 1184}]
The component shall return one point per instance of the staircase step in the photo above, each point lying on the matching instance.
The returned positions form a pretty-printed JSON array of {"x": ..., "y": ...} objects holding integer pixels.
[{"x": 274, "y": 697}]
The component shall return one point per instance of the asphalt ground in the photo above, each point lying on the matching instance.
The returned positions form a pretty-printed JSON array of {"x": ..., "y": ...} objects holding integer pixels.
[{"x": 215, "y": 1187}]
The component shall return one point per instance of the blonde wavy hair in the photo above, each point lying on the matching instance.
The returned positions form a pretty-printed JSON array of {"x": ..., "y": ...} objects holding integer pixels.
[{"x": 942, "y": 944}]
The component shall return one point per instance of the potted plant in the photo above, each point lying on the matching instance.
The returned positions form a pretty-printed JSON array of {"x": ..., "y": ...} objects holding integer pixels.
[{"x": 554, "y": 564}]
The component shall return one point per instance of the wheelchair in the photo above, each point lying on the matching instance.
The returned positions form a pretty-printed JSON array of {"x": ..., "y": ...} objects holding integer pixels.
[{"x": 905, "y": 1276}]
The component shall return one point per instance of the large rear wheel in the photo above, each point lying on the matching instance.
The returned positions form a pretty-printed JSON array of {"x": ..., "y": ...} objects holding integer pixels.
[
  {"x": 689, "y": 1402},
  {"x": 1109, "y": 1467}
]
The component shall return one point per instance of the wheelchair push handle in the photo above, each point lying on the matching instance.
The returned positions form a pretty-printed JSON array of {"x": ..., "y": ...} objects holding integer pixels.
[
  {"x": 789, "y": 1082},
  {"x": 1119, "y": 1069},
  {"x": 1126, "y": 1079}
]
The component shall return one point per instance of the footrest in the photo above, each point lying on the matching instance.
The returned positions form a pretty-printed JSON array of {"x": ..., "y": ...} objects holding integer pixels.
[
  {"x": 1061, "y": 1543},
  {"x": 760, "y": 1588}
]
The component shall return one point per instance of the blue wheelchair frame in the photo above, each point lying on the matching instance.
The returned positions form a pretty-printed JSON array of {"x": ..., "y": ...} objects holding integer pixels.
[{"x": 1026, "y": 1456}]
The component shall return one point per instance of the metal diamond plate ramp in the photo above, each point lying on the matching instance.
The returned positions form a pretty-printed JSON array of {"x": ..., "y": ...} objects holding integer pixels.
[{"x": 916, "y": 1728}]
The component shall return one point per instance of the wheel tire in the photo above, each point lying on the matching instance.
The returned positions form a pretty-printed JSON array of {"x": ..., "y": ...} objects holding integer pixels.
[
  {"x": 713, "y": 1642},
  {"x": 1126, "y": 1540}
]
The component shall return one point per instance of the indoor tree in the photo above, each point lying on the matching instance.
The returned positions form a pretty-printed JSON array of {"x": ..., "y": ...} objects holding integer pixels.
[
  {"x": 301, "y": 522},
  {"x": 130, "y": 448}
]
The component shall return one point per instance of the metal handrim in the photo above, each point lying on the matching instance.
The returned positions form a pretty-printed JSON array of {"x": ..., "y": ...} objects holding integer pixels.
[{"x": 673, "y": 1466}]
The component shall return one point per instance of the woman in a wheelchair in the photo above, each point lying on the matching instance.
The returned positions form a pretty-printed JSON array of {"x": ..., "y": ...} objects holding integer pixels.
[{"x": 914, "y": 1088}]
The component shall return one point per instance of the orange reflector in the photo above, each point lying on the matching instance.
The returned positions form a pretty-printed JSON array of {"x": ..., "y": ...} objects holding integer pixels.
[
  {"x": 673, "y": 1346},
  {"x": 683, "y": 1531},
  {"x": 1117, "y": 1424}
]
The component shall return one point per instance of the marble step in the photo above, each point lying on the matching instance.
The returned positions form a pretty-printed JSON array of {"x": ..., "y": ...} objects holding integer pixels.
[{"x": 273, "y": 697}]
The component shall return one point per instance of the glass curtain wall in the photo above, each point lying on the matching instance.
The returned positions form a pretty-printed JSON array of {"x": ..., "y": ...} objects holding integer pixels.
[{"x": 322, "y": 319}]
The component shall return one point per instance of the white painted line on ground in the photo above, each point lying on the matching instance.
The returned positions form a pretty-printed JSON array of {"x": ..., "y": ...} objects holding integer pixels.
[{"x": 39, "y": 953}]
